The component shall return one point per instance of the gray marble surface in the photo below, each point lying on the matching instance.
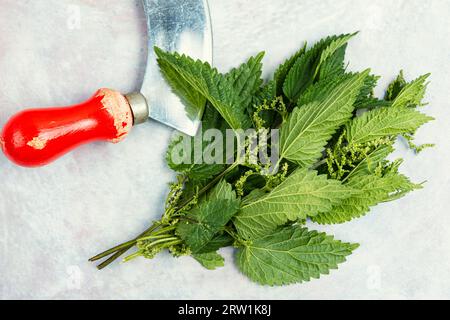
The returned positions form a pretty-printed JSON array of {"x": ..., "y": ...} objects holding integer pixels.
[{"x": 56, "y": 52}]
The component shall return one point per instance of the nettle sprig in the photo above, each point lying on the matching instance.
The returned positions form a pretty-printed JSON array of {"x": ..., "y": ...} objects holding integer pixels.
[{"x": 335, "y": 138}]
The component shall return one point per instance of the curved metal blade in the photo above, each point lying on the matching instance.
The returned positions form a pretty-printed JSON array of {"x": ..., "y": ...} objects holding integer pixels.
[{"x": 175, "y": 25}]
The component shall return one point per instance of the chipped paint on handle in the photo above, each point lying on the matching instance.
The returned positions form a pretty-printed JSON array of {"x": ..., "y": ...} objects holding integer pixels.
[{"x": 36, "y": 137}]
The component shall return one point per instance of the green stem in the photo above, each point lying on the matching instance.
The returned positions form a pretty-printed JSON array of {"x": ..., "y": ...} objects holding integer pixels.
[
  {"x": 155, "y": 237},
  {"x": 111, "y": 259},
  {"x": 124, "y": 247},
  {"x": 160, "y": 234},
  {"x": 164, "y": 245},
  {"x": 112, "y": 250},
  {"x": 172, "y": 243},
  {"x": 163, "y": 240},
  {"x": 163, "y": 230},
  {"x": 132, "y": 256}
]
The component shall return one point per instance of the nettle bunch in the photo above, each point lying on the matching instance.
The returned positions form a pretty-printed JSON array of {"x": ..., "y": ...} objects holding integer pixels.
[{"x": 335, "y": 137}]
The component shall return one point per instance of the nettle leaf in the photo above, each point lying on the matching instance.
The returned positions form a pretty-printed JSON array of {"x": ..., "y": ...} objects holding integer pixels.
[
  {"x": 334, "y": 66},
  {"x": 412, "y": 93},
  {"x": 339, "y": 43},
  {"x": 283, "y": 70},
  {"x": 194, "y": 171},
  {"x": 302, "y": 194},
  {"x": 206, "y": 220},
  {"x": 267, "y": 92},
  {"x": 395, "y": 87},
  {"x": 371, "y": 161},
  {"x": 210, "y": 260},
  {"x": 383, "y": 122},
  {"x": 230, "y": 94},
  {"x": 246, "y": 81},
  {"x": 291, "y": 255},
  {"x": 203, "y": 223},
  {"x": 372, "y": 190},
  {"x": 303, "y": 73},
  {"x": 180, "y": 144},
  {"x": 223, "y": 190},
  {"x": 309, "y": 127},
  {"x": 219, "y": 241},
  {"x": 371, "y": 103},
  {"x": 205, "y": 171},
  {"x": 321, "y": 89},
  {"x": 192, "y": 99},
  {"x": 365, "y": 97},
  {"x": 363, "y": 100}
]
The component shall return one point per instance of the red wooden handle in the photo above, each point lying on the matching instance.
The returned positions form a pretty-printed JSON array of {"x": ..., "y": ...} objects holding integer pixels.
[{"x": 36, "y": 137}]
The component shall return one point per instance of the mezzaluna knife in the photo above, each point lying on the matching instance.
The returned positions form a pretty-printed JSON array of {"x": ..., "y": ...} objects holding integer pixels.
[{"x": 36, "y": 137}]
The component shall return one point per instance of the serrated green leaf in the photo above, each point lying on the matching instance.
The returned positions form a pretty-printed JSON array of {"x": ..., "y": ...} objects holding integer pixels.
[
  {"x": 192, "y": 168},
  {"x": 283, "y": 70},
  {"x": 372, "y": 190},
  {"x": 219, "y": 241},
  {"x": 302, "y": 194},
  {"x": 334, "y": 66},
  {"x": 265, "y": 93},
  {"x": 383, "y": 122},
  {"x": 412, "y": 93},
  {"x": 372, "y": 103},
  {"x": 205, "y": 171},
  {"x": 371, "y": 161},
  {"x": 246, "y": 81},
  {"x": 291, "y": 255},
  {"x": 222, "y": 190},
  {"x": 253, "y": 196},
  {"x": 365, "y": 95},
  {"x": 303, "y": 73},
  {"x": 306, "y": 132},
  {"x": 323, "y": 87},
  {"x": 210, "y": 260},
  {"x": 193, "y": 100},
  {"x": 395, "y": 87},
  {"x": 204, "y": 222},
  {"x": 319, "y": 90},
  {"x": 230, "y": 94},
  {"x": 333, "y": 47}
]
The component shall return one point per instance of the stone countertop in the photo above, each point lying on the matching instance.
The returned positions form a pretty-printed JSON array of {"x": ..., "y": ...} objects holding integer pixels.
[{"x": 57, "y": 52}]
